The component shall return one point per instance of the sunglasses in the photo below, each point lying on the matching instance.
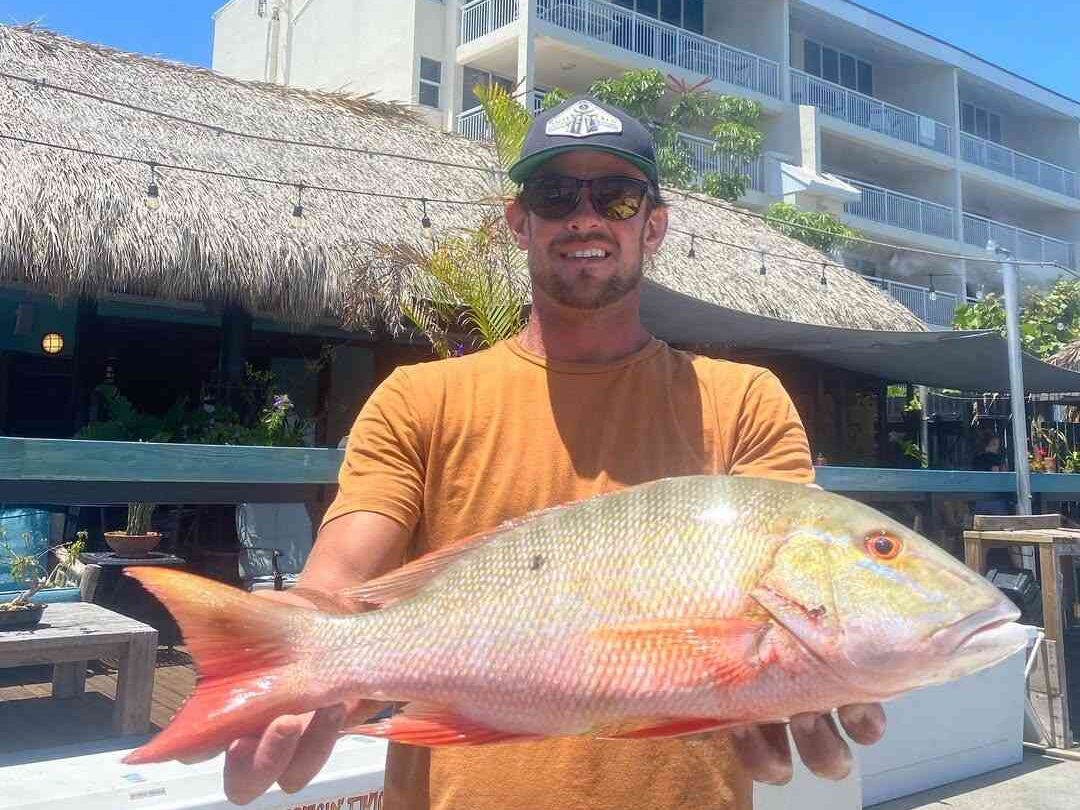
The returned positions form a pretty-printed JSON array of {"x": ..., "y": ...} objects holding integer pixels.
[{"x": 556, "y": 196}]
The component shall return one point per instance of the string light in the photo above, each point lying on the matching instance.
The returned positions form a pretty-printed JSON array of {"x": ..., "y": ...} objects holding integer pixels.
[
  {"x": 41, "y": 83},
  {"x": 692, "y": 254},
  {"x": 153, "y": 192},
  {"x": 153, "y": 198},
  {"x": 425, "y": 220},
  {"x": 762, "y": 270},
  {"x": 298, "y": 207}
]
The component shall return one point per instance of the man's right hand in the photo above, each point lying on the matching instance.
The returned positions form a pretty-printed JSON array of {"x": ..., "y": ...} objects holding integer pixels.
[{"x": 292, "y": 749}]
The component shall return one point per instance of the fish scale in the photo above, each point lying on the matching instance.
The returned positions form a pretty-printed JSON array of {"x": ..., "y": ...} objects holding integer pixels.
[{"x": 661, "y": 609}]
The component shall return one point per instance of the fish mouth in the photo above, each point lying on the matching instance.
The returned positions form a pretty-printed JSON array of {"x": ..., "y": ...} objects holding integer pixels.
[{"x": 955, "y": 637}]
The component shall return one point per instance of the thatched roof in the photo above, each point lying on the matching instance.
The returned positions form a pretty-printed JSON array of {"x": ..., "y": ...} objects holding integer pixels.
[
  {"x": 1068, "y": 356},
  {"x": 72, "y": 223}
]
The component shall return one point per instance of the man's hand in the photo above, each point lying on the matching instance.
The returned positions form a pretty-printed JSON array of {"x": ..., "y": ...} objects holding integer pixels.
[
  {"x": 292, "y": 749},
  {"x": 766, "y": 753}
]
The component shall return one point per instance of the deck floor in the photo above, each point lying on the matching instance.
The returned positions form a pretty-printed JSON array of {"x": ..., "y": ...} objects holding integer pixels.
[{"x": 31, "y": 718}]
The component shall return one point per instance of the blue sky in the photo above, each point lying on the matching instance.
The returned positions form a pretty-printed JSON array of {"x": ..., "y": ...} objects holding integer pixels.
[{"x": 996, "y": 30}]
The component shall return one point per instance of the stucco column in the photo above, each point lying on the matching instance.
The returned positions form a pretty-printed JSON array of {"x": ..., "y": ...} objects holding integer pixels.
[
  {"x": 526, "y": 55},
  {"x": 451, "y": 68},
  {"x": 785, "y": 62}
]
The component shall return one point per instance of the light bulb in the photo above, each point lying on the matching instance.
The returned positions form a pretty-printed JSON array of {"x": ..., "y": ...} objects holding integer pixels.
[{"x": 153, "y": 197}]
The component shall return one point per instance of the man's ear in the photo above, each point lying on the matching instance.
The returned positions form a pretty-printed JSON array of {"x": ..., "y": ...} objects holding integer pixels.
[
  {"x": 655, "y": 229},
  {"x": 518, "y": 220}
]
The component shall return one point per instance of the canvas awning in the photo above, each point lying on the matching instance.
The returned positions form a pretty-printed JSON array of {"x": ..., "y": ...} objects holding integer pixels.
[{"x": 969, "y": 361}]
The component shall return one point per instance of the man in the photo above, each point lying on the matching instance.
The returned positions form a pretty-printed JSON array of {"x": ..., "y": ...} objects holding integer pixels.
[{"x": 584, "y": 401}]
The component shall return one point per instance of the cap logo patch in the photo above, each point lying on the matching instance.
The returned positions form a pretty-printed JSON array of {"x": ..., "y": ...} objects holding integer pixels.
[{"x": 582, "y": 120}]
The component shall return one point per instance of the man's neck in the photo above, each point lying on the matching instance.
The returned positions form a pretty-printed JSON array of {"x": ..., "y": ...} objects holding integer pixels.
[{"x": 599, "y": 336}]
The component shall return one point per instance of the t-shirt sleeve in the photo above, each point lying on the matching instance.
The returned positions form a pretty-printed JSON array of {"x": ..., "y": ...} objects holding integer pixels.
[
  {"x": 770, "y": 441},
  {"x": 383, "y": 470}
]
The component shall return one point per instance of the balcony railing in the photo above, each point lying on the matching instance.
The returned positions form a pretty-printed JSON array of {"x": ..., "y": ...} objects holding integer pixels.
[
  {"x": 473, "y": 124},
  {"x": 704, "y": 159},
  {"x": 870, "y": 113},
  {"x": 606, "y": 22},
  {"x": 901, "y": 211},
  {"x": 932, "y": 307},
  {"x": 1026, "y": 246},
  {"x": 480, "y": 17},
  {"x": 1023, "y": 167}
]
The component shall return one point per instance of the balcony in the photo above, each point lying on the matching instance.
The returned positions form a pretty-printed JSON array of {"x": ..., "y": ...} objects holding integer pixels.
[
  {"x": 604, "y": 22},
  {"x": 932, "y": 307},
  {"x": 480, "y": 17},
  {"x": 704, "y": 159},
  {"x": 1025, "y": 246},
  {"x": 871, "y": 113},
  {"x": 901, "y": 211},
  {"x": 1011, "y": 163},
  {"x": 473, "y": 124}
]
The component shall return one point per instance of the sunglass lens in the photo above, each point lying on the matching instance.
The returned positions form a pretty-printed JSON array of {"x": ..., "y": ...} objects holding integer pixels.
[
  {"x": 618, "y": 198},
  {"x": 552, "y": 198}
]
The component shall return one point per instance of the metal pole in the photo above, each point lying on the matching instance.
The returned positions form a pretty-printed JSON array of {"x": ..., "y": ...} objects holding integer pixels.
[{"x": 1016, "y": 380}]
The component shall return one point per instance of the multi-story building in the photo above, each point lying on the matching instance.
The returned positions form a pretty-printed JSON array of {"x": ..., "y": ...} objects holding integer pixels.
[{"x": 911, "y": 140}]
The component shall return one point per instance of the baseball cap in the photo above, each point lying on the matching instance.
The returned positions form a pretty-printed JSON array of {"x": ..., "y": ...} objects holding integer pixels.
[{"x": 585, "y": 123}]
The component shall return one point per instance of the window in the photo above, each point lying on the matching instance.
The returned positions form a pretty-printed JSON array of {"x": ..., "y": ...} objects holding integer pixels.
[
  {"x": 982, "y": 123},
  {"x": 838, "y": 67},
  {"x": 688, "y": 14},
  {"x": 430, "y": 79},
  {"x": 471, "y": 77}
]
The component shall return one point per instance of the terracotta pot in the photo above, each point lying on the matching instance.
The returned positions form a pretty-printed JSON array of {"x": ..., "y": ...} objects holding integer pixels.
[{"x": 132, "y": 545}]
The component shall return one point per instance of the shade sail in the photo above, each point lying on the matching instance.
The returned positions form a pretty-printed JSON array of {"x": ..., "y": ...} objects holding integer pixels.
[{"x": 966, "y": 360}]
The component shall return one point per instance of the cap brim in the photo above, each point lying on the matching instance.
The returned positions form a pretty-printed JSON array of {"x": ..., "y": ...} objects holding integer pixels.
[{"x": 524, "y": 168}]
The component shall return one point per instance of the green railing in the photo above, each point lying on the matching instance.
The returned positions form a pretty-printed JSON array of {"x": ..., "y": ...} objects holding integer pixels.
[{"x": 71, "y": 472}]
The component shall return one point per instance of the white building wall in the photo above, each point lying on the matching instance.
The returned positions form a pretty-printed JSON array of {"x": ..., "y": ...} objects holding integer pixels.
[
  {"x": 241, "y": 40},
  {"x": 924, "y": 89},
  {"x": 356, "y": 45},
  {"x": 757, "y": 27}
]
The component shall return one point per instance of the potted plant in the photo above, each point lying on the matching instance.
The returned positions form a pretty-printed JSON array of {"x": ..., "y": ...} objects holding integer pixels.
[
  {"x": 136, "y": 540},
  {"x": 18, "y": 610}
]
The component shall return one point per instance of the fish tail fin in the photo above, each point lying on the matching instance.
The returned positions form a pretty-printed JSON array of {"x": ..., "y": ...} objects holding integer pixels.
[{"x": 245, "y": 656}]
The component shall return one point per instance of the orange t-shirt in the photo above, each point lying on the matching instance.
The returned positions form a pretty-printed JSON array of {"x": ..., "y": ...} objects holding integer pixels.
[{"x": 456, "y": 447}]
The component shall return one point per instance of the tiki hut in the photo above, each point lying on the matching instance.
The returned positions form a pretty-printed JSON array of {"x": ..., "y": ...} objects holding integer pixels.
[{"x": 76, "y": 225}]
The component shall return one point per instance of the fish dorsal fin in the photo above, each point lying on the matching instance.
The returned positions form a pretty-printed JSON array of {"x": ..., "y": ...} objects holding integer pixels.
[{"x": 403, "y": 582}]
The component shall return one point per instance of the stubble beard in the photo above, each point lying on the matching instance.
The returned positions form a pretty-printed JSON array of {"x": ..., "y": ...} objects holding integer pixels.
[{"x": 614, "y": 289}]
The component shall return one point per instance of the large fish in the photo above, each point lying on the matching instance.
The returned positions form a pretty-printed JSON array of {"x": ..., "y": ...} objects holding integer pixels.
[{"x": 668, "y": 608}]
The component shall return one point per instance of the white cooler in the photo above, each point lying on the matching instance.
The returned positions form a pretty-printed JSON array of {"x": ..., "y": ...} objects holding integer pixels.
[{"x": 70, "y": 777}]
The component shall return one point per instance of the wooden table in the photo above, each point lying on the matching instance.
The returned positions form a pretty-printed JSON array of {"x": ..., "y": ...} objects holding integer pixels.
[{"x": 69, "y": 635}]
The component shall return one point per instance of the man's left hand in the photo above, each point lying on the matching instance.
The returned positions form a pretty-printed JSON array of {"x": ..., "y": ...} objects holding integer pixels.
[{"x": 766, "y": 753}]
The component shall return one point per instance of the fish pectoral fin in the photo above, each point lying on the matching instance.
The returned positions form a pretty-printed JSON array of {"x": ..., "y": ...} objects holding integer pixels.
[
  {"x": 432, "y": 725},
  {"x": 725, "y": 651},
  {"x": 679, "y": 727}
]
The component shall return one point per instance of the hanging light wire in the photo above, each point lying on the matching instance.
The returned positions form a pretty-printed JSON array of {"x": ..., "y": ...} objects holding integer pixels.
[
  {"x": 42, "y": 83},
  {"x": 392, "y": 196}
]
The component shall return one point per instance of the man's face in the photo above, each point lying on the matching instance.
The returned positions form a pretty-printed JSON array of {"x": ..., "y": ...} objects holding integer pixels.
[{"x": 562, "y": 253}]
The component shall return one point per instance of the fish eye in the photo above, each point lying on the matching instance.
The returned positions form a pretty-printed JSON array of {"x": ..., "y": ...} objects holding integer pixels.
[{"x": 883, "y": 546}]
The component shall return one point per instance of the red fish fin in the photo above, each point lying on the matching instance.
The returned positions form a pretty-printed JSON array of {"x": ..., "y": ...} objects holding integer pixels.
[
  {"x": 242, "y": 656},
  {"x": 724, "y": 651},
  {"x": 403, "y": 582},
  {"x": 432, "y": 725},
  {"x": 674, "y": 728}
]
